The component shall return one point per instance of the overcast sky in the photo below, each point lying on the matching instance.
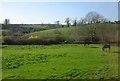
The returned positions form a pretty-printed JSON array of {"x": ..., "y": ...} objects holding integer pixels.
[{"x": 49, "y": 12}]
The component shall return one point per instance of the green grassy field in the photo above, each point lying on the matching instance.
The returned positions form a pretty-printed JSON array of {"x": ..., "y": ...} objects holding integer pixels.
[{"x": 62, "y": 61}]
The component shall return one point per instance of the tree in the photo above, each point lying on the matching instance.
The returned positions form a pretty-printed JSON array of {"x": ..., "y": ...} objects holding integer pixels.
[
  {"x": 118, "y": 21},
  {"x": 75, "y": 22},
  {"x": 82, "y": 21},
  {"x": 104, "y": 20},
  {"x": 94, "y": 17},
  {"x": 67, "y": 21},
  {"x": 57, "y": 22},
  {"x": 7, "y": 21}
]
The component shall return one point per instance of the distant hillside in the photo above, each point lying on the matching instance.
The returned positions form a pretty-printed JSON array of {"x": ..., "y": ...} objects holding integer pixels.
[
  {"x": 102, "y": 32},
  {"x": 28, "y": 28}
]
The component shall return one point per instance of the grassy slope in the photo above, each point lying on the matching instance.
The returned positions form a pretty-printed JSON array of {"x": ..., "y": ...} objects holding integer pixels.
[
  {"x": 51, "y": 32},
  {"x": 110, "y": 31},
  {"x": 59, "y": 61}
]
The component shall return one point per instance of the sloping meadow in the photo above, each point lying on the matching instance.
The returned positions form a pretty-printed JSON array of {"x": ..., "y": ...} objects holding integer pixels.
[{"x": 102, "y": 32}]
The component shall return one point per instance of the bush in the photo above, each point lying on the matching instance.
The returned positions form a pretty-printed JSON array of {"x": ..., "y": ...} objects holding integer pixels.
[
  {"x": 33, "y": 41},
  {"x": 9, "y": 41}
]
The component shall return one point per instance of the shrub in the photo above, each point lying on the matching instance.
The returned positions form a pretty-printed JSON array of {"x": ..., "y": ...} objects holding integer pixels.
[
  {"x": 33, "y": 37},
  {"x": 33, "y": 40},
  {"x": 9, "y": 40}
]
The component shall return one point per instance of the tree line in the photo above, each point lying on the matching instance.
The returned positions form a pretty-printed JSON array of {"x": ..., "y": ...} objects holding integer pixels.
[{"x": 90, "y": 18}]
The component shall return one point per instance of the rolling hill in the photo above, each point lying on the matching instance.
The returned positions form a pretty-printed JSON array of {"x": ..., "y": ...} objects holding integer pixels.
[{"x": 103, "y": 32}]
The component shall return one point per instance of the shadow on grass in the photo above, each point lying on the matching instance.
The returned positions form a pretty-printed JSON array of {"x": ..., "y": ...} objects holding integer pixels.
[
  {"x": 118, "y": 52},
  {"x": 94, "y": 47}
]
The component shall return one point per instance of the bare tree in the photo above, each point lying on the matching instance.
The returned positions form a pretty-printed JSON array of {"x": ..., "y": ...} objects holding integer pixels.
[
  {"x": 75, "y": 22},
  {"x": 67, "y": 20},
  {"x": 104, "y": 20},
  {"x": 82, "y": 21},
  {"x": 57, "y": 22},
  {"x": 7, "y": 21},
  {"x": 94, "y": 17}
]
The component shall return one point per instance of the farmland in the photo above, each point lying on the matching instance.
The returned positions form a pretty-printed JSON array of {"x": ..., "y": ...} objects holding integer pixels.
[
  {"x": 61, "y": 61},
  {"x": 59, "y": 41}
]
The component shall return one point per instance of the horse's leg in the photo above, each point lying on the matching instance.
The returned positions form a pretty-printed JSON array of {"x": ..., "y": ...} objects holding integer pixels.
[
  {"x": 84, "y": 44},
  {"x": 103, "y": 48},
  {"x": 88, "y": 44},
  {"x": 109, "y": 49}
]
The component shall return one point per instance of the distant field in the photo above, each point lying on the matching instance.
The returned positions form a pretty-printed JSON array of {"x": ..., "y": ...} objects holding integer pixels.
[{"x": 62, "y": 61}]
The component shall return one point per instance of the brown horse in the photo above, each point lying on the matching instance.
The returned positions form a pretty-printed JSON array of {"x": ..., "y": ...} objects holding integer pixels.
[
  {"x": 86, "y": 43},
  {"x": 105, "y": 46}
]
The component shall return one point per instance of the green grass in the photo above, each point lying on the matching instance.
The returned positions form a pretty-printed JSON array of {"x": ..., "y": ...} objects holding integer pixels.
[
  {"x": 51, "y": 32},
  {"x": 62, "y": 61}
]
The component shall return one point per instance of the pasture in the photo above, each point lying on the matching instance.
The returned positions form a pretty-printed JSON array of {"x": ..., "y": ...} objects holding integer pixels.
[{"x": 61, "y": 61}]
